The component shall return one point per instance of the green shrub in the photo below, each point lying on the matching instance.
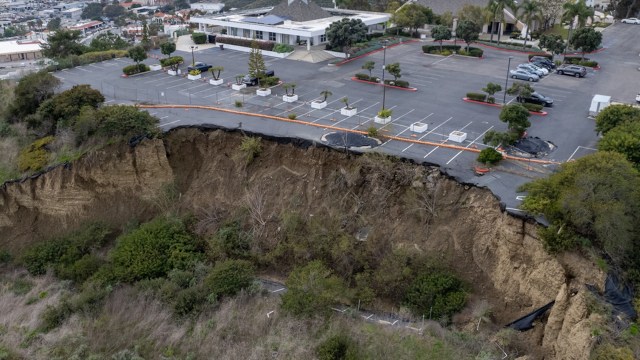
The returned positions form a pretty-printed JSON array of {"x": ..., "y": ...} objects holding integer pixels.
[
  {"x": 125, "y": 121},
  {"x": 251, "y": 147},
  {"x": 228, "y": 277},
  {"x": 199, "y": 38},
  {"x": 172, "y": 62},
  {"x": 96, "y": 56},
  {"x": 292, "y": 116},
  {"x": 238, "y": 103},
  {"x": 588, "y": 63},
  {"x": 607, "y": 351},
  {"x": 262, "y": 45},
  {"x": 372, "y": 131},
  {"x": 477, "y": 52},
  {"x": 188, "y": 301},
  {"x": 5, "y": 257},
  {"x": 338, "y": 347},
  {"x": 270, "y": 81},
  {"x": 401, "y": 83},
  {"x": 87, "y": 301},
  {"x": 230, "y": 241},
  {"x": 533, "y": 107},
  {"x": 436, "y": 294},
  {"x": 135, "y": 69},
  {"x": 489, "y": 156},
  {"x": 429, "y": 49},
  {"x": 35, "y": 156},
  {"x": 153, "y": 250},
  {"x": 80, "y": 270},
  {"x": 477, "y": 96},
  {"x": 548, "y": 56},
  {"x": 282, "y": 48},
  {"x": 311, "y": 290},
  {"x": 361, "y": 76}
]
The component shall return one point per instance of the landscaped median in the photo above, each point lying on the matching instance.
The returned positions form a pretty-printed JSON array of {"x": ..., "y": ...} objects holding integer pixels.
[
  {"x": 395, "y": 84},
  {"x": 446, "y": 50},
  {"x": 482, "y": 99}
]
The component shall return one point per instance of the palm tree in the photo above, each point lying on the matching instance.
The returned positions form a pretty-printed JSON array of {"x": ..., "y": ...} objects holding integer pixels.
[
  {"x": 496, "y": 7},
  {"x": 530, "y": 11},
  {"x": 325, "y": 94},
  {"x": 576, "y": 10}
]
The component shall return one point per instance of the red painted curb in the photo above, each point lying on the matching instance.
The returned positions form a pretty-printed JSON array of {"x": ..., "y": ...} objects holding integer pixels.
[
  {"x": 541, "y": 113},
  {"x": 372, "y": 52},
  {"x": 380, "y": 84},
  {"x": 124, "y": 75}
]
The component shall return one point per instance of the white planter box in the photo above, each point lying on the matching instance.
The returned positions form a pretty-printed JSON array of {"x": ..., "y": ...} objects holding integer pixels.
[
  {"x": 263, "y": 92},
  {"x": 238, "y": 87},
  {"x": 174, "y": 73},
  {"x": 289, "y": 98},
  {"x": 458, "y": 136},
  {"x": 380, "y": 120},
  {"x": 216, "y": 82},
  {"x": 348, "y": 112},
  {"x": 419, "y": 127},
  {"x": 194, "y": 77},
  {"x": 318, "y": 104},
  {"x": 155, "y": 67}
]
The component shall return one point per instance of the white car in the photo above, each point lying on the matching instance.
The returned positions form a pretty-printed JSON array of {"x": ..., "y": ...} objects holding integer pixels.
[
  {"x": 532, "y": 69},
  {"x": 631, "y": 21}
]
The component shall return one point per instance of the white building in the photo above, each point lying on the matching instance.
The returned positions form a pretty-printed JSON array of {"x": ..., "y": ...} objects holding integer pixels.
[
  {"x": 73, "y": 13},
  {"x": 207, "y": 8},
  {"x": 291, "y": 22},
  {"x": 20, "y": 50}
]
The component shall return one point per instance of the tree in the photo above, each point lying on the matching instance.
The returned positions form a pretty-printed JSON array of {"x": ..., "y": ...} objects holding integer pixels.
[
  {"x": 31, "y": 91},
  {"x": 145, "y": 42},
  {"x": 325, "y": 94},
  {"x": 440, "y": 33},
  {"x": 468, "y": 31},
  {"x": 623, "y": 139},
  {"x": 137, "y": 54},
  {"x": 521, "y": 90},
  {"x": 125, "y": 121},
  {"x": 228, "y": 277},
  {"x": 552, "y": 42},
  {"x": 576, "y": 10},
  {"x": 62, "y": 44},
  {"x": 346, "y": 32},
  {"x": 614, "y": 115},
  {"x": 92, "y": 11},
  {"x": 369, "y": 65},
  {"x": 436, "y": 294},
  {"x": 477, "y": 14},
  {"x": 66, "y": 105},
  {"x": 550, "y": 10},
  {"x": 586, "y": 39},
  {"x": 497, "y": 138},
  {"x": 108, "y": 41},
  {"x": 54, "y": 24},
  {"x": 257, "y": 67},
  {"x": 394, "y": 70},
  {"x": 496, "y": 8},
  {"x": 489, "y": 156},
  {"x": 530, "y": 10},
  {"x": 113, "y": 11},
  {"x": 410, "y": 16},
  {"x": 312, "y": 289},
  {"x": 181, "y": 4},
  {"x": 491, "y": 89},
  {"x": 168, "y": 48},
  {"x": 215, "y": 72},
  {"x": 517, "y": 118},
  {"x": 446, "y": 19}
]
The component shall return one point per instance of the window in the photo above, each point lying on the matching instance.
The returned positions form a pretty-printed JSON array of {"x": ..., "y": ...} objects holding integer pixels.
[
  {"x": 234, "y": 31},
  {"x": 323, "y": 38},
  {"x": 259, "y": 34},
  {"x": 246, "y": 33},
  {"x": 272, "y": 36}
]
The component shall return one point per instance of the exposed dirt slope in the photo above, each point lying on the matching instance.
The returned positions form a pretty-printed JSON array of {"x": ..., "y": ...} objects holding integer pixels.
[{"x": 405, "y": 204}]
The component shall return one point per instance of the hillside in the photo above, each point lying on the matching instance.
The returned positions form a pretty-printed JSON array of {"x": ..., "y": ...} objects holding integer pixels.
[{"x": 377, "y": 206}]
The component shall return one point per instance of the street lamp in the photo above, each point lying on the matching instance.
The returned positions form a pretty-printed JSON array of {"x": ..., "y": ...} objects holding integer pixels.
[
  {"x": 193, "y": 58},
  {"x": 506, "y": 81},
  {"x": 384, "y": 59}
]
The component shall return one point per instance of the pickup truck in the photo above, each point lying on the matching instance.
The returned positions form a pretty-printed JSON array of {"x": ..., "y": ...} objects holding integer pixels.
[{"x": 252, "y": 81}]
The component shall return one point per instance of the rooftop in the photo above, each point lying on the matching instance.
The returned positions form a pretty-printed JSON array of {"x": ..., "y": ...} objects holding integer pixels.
[{"x": 19, "y": 46}]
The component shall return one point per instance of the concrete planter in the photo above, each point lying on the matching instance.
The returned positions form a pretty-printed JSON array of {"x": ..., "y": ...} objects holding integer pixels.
[
  {"x": 216, "y": 82},
  {"x": 263, "y": 92},
  {"x": 155, "y": 67},
  {"x": 458, "y": 136},
  {"x": 194, "y": 77},
  {"x": 348, "y": 111},
  {"x": 238, "y": 87},
  {"x": 419, "y": 127},
  {"x": 174, "y": 73},
  {"x": 381, "y": 120},
  {"x": 290, "y": 98},
  {"x": 316, "y": 104}
]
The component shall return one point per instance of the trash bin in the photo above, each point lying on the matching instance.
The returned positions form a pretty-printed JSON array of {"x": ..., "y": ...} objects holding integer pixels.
[{"x": 221, "y": 47}]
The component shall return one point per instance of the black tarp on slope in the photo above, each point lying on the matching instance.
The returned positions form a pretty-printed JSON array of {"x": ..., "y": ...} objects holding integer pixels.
[
  {"x": 526, "y": 322},
  {"x": 619, "y": 295}
]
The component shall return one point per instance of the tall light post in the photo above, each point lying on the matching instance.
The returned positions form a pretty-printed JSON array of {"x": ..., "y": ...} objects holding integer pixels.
[
  {"x": 384, "y": 59},
  {"x": 193, "y": 58},
  {"x": 506, "y": 81}
]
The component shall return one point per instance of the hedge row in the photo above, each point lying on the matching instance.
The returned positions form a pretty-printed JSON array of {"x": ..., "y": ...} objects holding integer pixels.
[
  {"x": 366, "y": 77},
  {"x": 576, "y": 60},
  {"x": 87, "y": 58},
  {"x": 199, "y": 38},
  {"x": 262, "y": 45},
  {"x": 398, "y": 83},
  {"x": 429, "y": 49},
  {"x": 282, "y": 48},
  {"x": 533, "y": 107},
  {"x": 135, "y": 69},
  {"x": 548, "y": 56},
  {"x": 473, "y": 51},
  {"x": 477, "y": 96}
]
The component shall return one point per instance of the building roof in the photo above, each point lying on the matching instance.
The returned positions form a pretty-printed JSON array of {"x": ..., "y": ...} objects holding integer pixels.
[
  {"x": 88, "y": 25},
  {"x": 299, "y": 10},
  {"x": 19, "y": 46}
]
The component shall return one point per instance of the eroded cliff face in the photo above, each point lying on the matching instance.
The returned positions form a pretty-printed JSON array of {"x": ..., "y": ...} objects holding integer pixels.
[{"x": 408, "y": 205}]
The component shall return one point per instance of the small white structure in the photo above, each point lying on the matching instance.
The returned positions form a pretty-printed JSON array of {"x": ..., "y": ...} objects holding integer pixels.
[
  {"x": 348, "y": 111},
  {"x": 290, "y": 98},
  {"x": 317, "y": 104},
  {"x": 419, "y": 127},
  {"x": 263, "y": 92},
  {"x": 194, "y": 77},
  {"x": 216, "y": 82},
  {"x": 174, "y": 73},
  {"x": 598, "y": 103},
  {"x": 238, "y": 86},
  {"x": 458, "y": 136},
  {"x": 382, "y": 120},
  {"x": 155, "y": 67}
]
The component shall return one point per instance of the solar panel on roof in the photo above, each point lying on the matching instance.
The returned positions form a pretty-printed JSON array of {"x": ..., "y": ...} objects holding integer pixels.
[{"x": 265, "y": 20}]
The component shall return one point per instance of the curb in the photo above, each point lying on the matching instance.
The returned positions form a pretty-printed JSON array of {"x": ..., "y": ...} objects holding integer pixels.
[
  {"x": 541, "y": 113},
  {"x": 385, "y": 85},
  {"x": 374, "y": 51}
]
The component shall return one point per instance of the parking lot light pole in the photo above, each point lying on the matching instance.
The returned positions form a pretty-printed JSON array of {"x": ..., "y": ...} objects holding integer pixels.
[
  {"x": 193, "y": 58},
  {"x": 506, "y": 81},
  {"x": 384, "y": 59}
]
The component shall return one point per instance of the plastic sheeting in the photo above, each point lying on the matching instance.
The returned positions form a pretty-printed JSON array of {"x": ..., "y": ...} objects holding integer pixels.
[
  {"x": 526, "y": 322},
  {"x": 619, "y": 295}
]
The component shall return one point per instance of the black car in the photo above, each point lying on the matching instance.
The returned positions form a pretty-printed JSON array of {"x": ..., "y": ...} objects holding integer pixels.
[
  {"x": 573, "y": 70},
  {"x": 543, "y": 60},
  {"x": 199, "y": 66},
  {"x": 543, "y": 64},
  {"x": 252, "y": 81},
  {"x": 537, "y": 98}
]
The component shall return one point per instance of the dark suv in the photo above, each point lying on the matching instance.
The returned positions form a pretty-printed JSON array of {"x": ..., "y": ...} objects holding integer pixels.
[
  {"x": 537, "y": 98},
  {"x": 199, "y": 66},
  {"x": 543, "y": 60},
  {"x": 254, "y": 81},
  {"x": 573, "y": 70}
]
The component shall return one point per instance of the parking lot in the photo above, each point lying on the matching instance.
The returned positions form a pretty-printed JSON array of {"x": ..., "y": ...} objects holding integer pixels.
[{"x": 442, "y": 82}]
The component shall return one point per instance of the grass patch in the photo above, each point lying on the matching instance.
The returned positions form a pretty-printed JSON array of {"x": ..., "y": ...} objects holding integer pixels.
[{"x": 559, "y": 30}]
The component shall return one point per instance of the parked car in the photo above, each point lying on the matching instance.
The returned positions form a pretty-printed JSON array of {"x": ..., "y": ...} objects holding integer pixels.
[
  {"x": 537, "y": 98},
  {"x": 522, "y": 74},
  {"x": 199, "y": 66},
  {"x": 534, "y": 69},
  {"x": 573, "y": 70},
  {"x": 253, "y": 81},
  {"x": 631, "y": 21},
  {"x": 543, "y": 60}
]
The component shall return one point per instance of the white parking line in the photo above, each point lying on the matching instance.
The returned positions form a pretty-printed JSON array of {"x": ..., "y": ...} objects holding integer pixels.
[
  {"x": 432, "y": 130},
  {"x": 312, "y": 110},
  {"x": 80, "y": 68},
  {"x": 369, "y": 119},
  {"x": 476, "y": 139},
  {"x": 445, "y": 140},
  {"x": 335, "y": 111},
  {"x": 175, "y": 86},
  {"x": 96, "y": 66},
  {"x": 349, "y": 117},
  {"x": 169, "y": 123}
]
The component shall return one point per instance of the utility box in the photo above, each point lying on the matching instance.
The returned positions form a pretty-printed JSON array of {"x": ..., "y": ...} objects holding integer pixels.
[{"x": 598, "y": 103}]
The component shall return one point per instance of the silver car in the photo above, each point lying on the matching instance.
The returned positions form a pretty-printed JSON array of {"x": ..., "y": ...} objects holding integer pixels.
[
  {"x": 631, "y": 21},
  {"x": 533, "y": 69},
  {"x": 521, "y": 74}
]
